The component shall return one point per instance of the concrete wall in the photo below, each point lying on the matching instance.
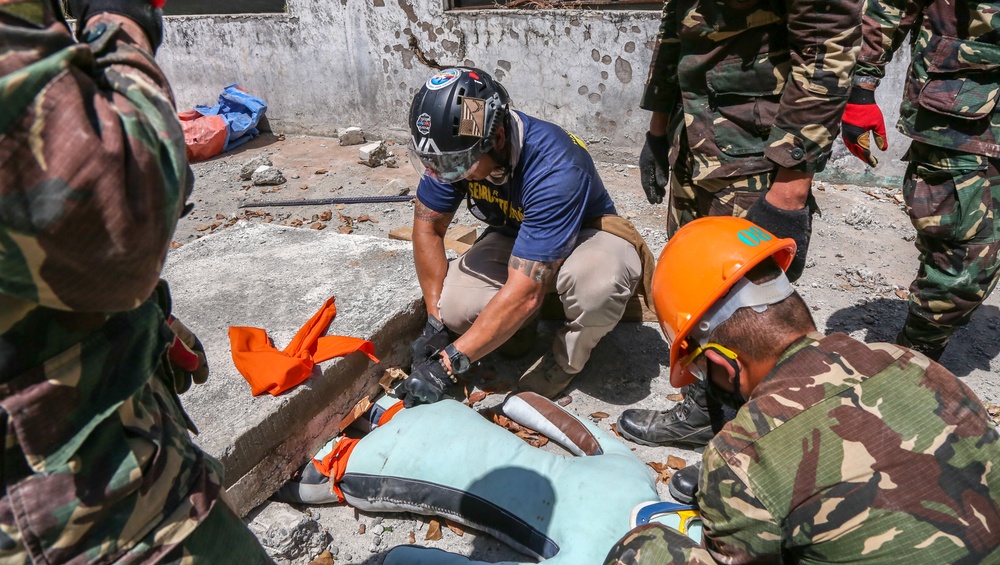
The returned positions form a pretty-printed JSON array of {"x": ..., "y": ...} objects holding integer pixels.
[{"x": 327, "y": 64}]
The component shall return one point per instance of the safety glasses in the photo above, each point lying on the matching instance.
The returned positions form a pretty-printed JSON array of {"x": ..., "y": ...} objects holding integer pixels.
[
  {"x": 447, "y": 166},
  {"x": 697, "y": 363}
]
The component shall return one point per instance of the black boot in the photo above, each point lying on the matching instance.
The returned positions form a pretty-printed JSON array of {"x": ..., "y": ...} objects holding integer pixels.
[
  {"x": 683, "y": 485},
  {"x": 931, "y": 352},
  {"x": 685, "y": 425}
]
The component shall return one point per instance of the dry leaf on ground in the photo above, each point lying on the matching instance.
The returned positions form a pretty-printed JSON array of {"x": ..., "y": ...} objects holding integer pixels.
[
  {"x": 476, "y": 396},
  {"x": 663, "y": 471},
  {"x": 678, "y": 397},
  {"x": 599, "y": 415},
  {"x": 676, "y": 462},
  {"x": 361, "y": 528},
  {"x": 456, "y": 528},
  {"x": 411, "y": 539},
  {"x": 433, "y": 531},
  {"x": 325, "y": 558}
]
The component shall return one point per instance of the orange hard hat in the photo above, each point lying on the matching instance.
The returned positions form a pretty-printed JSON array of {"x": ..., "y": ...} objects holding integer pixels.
[{"x": 698, "y": 266}]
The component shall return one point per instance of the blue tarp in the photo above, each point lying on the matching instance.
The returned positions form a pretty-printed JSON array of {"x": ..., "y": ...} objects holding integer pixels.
[{"x": 241, "y": 112}]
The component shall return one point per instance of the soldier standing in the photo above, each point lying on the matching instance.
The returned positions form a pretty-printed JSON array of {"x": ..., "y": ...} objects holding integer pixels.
[
  {"x": 840, "y": 451},
  {"x": 98, "y": 465},
  {"x": 747, "y": 97},
  {"x": 952, "y": 182}
]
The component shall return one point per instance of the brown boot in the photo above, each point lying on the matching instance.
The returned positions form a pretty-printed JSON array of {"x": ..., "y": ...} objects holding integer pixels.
[{"x": 545, "y": 377}]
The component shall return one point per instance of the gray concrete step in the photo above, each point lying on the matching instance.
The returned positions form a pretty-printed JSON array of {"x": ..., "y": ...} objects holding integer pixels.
[{"x": 276, "y": 278}]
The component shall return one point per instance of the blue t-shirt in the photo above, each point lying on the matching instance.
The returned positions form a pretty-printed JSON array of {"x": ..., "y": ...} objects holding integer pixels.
[{"x": 552, "y": 191}]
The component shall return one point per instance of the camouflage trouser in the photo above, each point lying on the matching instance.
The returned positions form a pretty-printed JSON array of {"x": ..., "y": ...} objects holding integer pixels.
[
  {"x": 730, "y": 196},
  {"x": 952, "y": 198},
  {"x": 656, "y": 544},
  {"x": 113, "y": 480}
]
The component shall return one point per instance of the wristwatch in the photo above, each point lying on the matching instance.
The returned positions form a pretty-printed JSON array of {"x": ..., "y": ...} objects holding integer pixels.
[{"x": 459, "y": 361}]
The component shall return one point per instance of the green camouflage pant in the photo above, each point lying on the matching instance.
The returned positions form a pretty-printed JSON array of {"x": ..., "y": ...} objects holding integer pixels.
[
  {"x": 729, "y": 196},
  {"x": 951, "y": 197},
  {"x": 656, "y": 544}
]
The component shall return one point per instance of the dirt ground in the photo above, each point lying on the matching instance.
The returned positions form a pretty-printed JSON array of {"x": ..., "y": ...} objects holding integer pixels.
[{"x": 861, "y": 262}]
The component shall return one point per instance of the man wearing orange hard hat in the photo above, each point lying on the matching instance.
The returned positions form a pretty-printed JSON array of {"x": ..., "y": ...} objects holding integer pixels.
[{"x": 838, "y": 449}]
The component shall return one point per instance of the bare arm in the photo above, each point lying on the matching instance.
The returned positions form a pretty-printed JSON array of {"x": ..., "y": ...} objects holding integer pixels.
[
  {"x": 519, "y": 298},
  {"x": 429, "y": 259}
]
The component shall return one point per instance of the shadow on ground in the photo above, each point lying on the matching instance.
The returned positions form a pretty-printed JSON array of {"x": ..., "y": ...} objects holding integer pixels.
[{"x": 971, "y": 347}]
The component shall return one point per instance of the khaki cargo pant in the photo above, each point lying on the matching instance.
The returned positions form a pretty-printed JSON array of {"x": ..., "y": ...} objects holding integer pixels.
[{"x": 594, "y": 284}]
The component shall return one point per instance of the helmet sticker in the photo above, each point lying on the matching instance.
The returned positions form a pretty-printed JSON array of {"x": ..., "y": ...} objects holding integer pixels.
[
  {"x": 424, "y": 123},
  {"x": 443, "y": 79},
  {"x": 473, "y": 117}
]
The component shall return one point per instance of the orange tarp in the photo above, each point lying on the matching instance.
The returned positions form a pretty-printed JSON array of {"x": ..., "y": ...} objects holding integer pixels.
[{"x": 273, "y": 371}]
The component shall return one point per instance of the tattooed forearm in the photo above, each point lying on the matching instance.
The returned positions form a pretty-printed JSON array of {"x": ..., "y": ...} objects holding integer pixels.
[
  {"x": 542, "y": 273},
  {"x": 439, "y": 220}
]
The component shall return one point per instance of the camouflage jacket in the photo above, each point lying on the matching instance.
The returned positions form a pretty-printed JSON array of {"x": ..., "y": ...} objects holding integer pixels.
[
  {"x": 97, "y": 463},
  {"x": 849, "y": 452},
  {"x": 953, "y": 83},
  {"x": 754, "y": 83}
]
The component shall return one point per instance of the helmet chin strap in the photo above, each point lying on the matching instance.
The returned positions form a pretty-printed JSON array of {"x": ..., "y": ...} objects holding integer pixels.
[{"x": 732, "y": 399}]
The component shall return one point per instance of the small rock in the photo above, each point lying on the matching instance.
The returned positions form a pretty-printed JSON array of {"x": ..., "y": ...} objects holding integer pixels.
[
  {"x": 321, "y": 171},
  {"x": 373, "y": 154},
  {"x": 253, "y": 164},
  {"x": 395, "y": 187},
  {"x": 267, "y": 176},
  {"x": 351, "y": 136},
  {"x": 294, "y": 176}
]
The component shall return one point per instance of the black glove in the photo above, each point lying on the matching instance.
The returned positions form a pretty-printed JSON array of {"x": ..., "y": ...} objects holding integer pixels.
[
  {"x": 426, "y": 383},
  {"x": 796, "y": 224},
  {"x": 432, "y": 339},
  {"x": 654, "y": 167},
  {"x": 146, "y": 13},
  {"x": 186, "y": 358}
]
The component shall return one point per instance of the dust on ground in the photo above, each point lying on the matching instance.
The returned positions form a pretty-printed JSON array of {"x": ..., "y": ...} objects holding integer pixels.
[{"x": 861, "y": 262}]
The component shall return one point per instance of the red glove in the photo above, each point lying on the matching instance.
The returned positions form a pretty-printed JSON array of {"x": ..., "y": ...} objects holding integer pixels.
[
  {"x": 862, "y": 117},
  {"x": 186, "y": 356}
]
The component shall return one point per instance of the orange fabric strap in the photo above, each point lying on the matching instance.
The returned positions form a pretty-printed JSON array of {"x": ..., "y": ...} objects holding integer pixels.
[
  {"x": 273, "y": 371},
  {"x": 334, "y": 464}
]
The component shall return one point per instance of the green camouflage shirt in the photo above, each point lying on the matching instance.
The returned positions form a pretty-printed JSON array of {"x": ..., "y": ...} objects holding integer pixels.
[
  {"x": 953, "y": 83},
  {"x": 848, "y": 452},
  {"x": 755, "y": 83},
  {"x": 98, "y": 464}
]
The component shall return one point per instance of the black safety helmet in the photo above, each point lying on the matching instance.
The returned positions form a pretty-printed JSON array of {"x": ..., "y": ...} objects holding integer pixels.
[{"x": 453, "y": 120}]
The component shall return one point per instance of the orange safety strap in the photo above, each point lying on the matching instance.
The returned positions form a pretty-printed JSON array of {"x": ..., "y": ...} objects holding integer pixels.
[
  {"x": 334, "y": 464},
  {"x": 273, "y": 371}
]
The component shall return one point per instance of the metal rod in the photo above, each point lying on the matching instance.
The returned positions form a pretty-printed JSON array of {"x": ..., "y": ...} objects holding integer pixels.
[{"x": 324, "y": 201}]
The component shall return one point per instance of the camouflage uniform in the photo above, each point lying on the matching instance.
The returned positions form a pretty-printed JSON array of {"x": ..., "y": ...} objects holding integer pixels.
[
  {"x": 749, "y": 85},
  {"x": 952, "y": 183},
  {"x": 849, "y": 452},
  {"x": 98, "y": 465}
]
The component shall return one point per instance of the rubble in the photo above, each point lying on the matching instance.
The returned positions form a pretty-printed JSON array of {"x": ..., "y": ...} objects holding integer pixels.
[
  {"x": 267, "y": 176},
  {"x": 288, "y": 534},
  {"x": 395, "y": 187},
  {"x": 246, "y": 172},
  {"x": 859, "y": 217},
  {"x": 351, "y": 136},
  {"x": 375, "y": 154}
]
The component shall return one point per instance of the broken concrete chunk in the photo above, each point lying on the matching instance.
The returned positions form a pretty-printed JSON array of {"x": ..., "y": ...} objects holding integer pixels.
[
  {"x": 287, "y": 533},
  {"x": 253, "y": 164},
  {"x": 395, "y": 187},
  {"x": 351, "y": 136},
  {"x": 265, "y": 176},
  {"x": 373, "y": 154}
]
